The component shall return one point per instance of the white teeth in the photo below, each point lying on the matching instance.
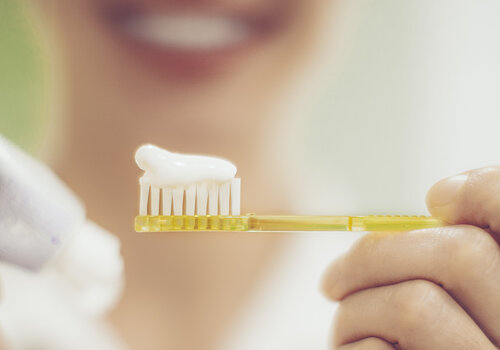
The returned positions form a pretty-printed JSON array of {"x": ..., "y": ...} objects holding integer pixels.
[{"x": 189, "y": 31}]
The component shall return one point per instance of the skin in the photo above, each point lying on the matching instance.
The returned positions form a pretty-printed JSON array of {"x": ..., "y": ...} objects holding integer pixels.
[{"x": 440, "y": 294}]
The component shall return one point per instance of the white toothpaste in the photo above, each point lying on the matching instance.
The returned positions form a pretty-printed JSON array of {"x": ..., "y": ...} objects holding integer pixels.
[
  {"x": 202, "y": 178},
  {"x": 165, "y": 169}
]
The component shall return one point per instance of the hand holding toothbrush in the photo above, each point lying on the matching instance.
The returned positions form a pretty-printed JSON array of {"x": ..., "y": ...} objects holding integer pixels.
[{"x": 436, "y": 288}]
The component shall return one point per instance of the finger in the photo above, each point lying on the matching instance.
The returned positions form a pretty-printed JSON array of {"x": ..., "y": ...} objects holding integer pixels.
[
  {"x": 471, "y": 198},
  {"x": 370, "y": 343},
  {"x": 464, "y": 260},
  {"x": 414, "y": 314}
]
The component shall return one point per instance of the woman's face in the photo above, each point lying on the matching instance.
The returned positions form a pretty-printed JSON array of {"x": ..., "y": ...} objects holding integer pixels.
[{"x": 181, "y": 55}]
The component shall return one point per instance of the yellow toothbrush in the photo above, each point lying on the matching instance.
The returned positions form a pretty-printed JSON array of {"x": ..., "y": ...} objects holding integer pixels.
[
  {"x": 253, "y": 222},
  {"x": 199, "y": 193}
]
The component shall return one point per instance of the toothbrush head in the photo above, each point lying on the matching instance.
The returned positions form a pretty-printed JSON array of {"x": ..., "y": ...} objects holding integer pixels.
[
  {"x": 176, "y": 185},
  {"x": 199, "y": 193}
]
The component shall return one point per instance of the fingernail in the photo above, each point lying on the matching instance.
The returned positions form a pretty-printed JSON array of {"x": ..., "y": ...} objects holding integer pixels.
[{"x": 446, "y": 191}]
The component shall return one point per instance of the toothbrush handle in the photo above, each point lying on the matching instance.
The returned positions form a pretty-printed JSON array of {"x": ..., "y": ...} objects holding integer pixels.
[
  {"x": 266, "y": 223},
  {"x": 341, "y": 223},
  {"x": 394, "y": 223}
]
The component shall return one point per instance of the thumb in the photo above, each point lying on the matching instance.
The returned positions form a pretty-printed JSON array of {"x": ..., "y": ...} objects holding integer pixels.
[{"x": 472, "y": 197}]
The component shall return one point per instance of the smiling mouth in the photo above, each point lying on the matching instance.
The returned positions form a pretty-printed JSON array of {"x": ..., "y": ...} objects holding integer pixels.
[{"x": 191, "y": 32}]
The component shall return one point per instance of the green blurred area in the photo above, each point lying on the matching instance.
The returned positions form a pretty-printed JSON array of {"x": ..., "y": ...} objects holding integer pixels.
[{"x": 21, "y": 77}]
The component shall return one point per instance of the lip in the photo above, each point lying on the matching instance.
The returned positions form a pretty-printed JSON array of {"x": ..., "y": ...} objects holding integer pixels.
[{"x": 190, "y": 42}]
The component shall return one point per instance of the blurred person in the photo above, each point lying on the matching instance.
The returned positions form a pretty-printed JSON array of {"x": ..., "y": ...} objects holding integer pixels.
[
  {"x": 195, "y": 76},
  {"x": 208, "y": 87}
]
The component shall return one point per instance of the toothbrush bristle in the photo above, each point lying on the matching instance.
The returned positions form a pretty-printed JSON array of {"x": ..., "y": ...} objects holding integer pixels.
[
  {"x": 224, "y": 199},
  {"x": 235, "y": 196},
  {"x": 190, "y": 199},
  {"x": 201, "y": 199},
  {"x": 213, "y": 198},
  {"x": 143, "y": 202},
  {"x": 155, "y": 200},
  {"x": 178, "y": 200},
  {"x": 167, "y": 201}
]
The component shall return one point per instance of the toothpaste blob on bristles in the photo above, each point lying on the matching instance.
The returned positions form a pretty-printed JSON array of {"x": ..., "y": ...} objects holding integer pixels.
[
  {"x": 199, "y": 178},
  {"x": 163, "y": 168}
]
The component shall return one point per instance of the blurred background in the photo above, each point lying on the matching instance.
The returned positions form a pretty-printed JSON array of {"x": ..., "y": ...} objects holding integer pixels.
[
  {"x": 22, "y": 72},
  {"x": 346, "y": 107}
]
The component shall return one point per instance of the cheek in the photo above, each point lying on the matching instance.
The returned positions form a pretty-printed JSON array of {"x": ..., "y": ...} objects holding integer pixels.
[{"x": 301, "y": 30}]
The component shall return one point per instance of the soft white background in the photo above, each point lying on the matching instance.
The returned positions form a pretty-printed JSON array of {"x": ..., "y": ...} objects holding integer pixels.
[{"x": 408, "y": 92}]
